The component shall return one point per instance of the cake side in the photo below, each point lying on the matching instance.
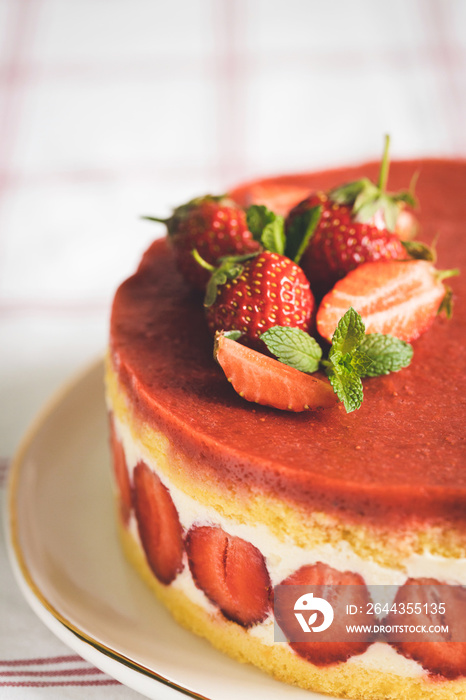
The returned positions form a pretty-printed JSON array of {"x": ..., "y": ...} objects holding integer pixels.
[
  {"x": 382, "y": 675},
  {"x": 286, "y": 519},
  {"x": 381, "y": 671}
]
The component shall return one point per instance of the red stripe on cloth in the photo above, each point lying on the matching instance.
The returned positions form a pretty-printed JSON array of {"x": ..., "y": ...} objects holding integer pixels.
[
  {"x": 91, "y": 671},
  {"x": 50, "y": 684},
  {"x": 21, "y": 24},
  {"x": 161, "y": 172},
  {"x": 41, "y": 660},
  {"x": 115, "y": 71},
  {"x": 4, "y": 467}
]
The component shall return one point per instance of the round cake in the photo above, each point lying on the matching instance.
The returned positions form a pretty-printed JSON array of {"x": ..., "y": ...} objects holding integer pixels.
[{"x": 220, "y": 500}]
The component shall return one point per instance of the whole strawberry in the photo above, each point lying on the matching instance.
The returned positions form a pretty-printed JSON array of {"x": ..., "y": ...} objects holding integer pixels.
[
  {"x": 351, "y": 225},
  {"x": 215, "y": 227},
  {"x": 254, "y": 293}
]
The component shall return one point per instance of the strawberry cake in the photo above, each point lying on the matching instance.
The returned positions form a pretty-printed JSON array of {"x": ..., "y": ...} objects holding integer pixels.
[{"x": 222, "y": 499}]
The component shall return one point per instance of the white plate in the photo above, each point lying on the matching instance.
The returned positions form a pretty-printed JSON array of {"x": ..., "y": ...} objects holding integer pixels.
[{"x": 65, "y": 553}]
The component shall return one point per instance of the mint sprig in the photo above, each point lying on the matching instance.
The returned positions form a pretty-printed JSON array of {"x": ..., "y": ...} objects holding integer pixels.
[
  {"x": 293, "y": 347},
  {"x": 266, "y": 227},
  {"x": 353, "y": 355}
]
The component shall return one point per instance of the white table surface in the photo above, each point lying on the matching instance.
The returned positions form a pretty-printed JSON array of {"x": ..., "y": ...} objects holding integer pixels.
[{"x": 110, "y": 109}]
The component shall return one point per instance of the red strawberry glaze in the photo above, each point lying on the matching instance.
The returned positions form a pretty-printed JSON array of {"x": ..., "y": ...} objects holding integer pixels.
[{"x": 399, "y": 460}]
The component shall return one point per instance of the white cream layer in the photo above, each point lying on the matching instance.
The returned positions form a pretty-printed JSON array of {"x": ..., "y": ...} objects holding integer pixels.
[{"x": 283, "y": 558}]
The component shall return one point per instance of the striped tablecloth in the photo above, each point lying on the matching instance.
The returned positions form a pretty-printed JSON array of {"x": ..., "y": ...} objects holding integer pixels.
[{"x": 110, "y": 109}]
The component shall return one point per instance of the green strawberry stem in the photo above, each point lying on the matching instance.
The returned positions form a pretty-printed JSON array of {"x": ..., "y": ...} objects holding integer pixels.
[
  {"x": 200, "y": 260},
  {"x": 445, "y": 274},
  {"x": 154, "y": 218},
  {"x": 384, "y": 166},
  {"x": 365, "y": 198}
]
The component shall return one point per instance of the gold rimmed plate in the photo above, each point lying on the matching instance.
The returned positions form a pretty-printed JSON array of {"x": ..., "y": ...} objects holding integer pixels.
[{"x": 65, "y": 552}]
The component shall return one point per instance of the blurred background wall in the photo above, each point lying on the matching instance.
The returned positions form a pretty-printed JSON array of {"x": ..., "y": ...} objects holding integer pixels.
[{"x": 110, "y": 109}]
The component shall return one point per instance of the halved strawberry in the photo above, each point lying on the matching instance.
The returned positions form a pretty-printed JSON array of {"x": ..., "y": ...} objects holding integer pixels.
[
  {"x": 259, "y": 378},
  {"x": 401, "y": 298},
  {"x": 158, "y": 524},
  {"x": 426, "y": 602},
  {"x": 121, "y": 474},
  {"x": 231, "y": 572},
  {"x": 339, "y": 589}
]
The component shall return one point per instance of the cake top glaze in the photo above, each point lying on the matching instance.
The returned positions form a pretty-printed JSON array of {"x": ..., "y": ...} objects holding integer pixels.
[{"x": 401, "y": 455}]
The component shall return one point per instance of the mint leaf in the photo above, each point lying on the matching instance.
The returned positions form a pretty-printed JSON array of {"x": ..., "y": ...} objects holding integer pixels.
[
  {"x": 388, "y": 354},
  {"x": 293, "y": 347},
  {"x": 361, "y": 362},
  {"x": 300, "y": 232},
  {"x": 348, "y": 334},
  {"x": 266, "y": 227},
  {"x": 347, "y": 386}
]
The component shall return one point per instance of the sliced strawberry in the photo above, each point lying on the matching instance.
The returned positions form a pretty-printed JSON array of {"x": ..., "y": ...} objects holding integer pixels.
[
  {"x": 339, "y": 589},
  {"x": 158, "y": 524},
  {"x": 261, "y": 379},
  {"x": 427, "y": 602},
  {"x": 121, "y": 474},
  {"x": 231, "y": 572},
  {"x": 401, "y": 298}
]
